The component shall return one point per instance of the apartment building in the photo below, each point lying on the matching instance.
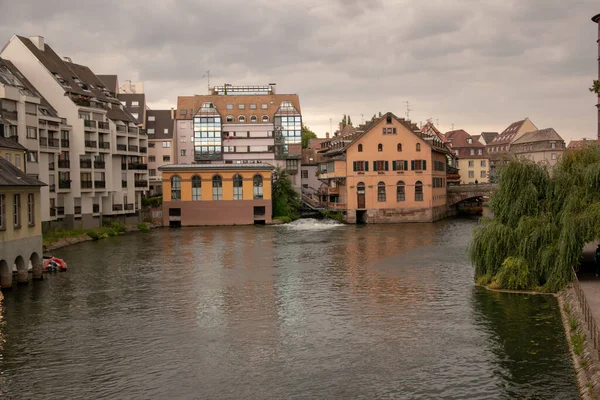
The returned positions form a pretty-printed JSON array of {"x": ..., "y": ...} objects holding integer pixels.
[
  {"x": 216, "y": 194},
  {"x": 541, "y": 146},
  {"x": 473, "y": 162},
  {"x": 160, "y": 127},
  {"x": 387, "y": 171},
  {"x": 498, "y": 149},
  {"x": 20, "y": 223},
  {"x": 102, "y": 170},
  {"x": 240, "y": 125}
]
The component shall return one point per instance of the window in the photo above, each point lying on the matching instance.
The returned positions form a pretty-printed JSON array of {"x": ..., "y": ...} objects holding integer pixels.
[
  {"x": 439, "y": 166},
  {"x": 183, "y": 111},
  {"x": 217, "y": 184},
  {"x": 183, "y": 153},
  {"x": 196, "y": 188},
  {"x": 360, "y": 166},
  {"x": 400, "y": 165},
  {"x": 265, "y": 118},
  {"x": 166, "y": 131},
  {"x": 264, "y": 106},
  {"x": 381, "y": 192},
  {"x": 482, "y": 163},
  {"x": 31, "y": 209},
  {"x": 479, "y": 151},
  {"x": 471, "y": 164},
  {"x": 18, "y": 161},
  {"x": 257, "y": 182},
  {"x": 399, "y": 147},
  {"x": 175, "y": 188},
  {"x": 241, "y": 119},
  {"x": 166, "y": 145},
  {"x": 8, "y": 158},
  {"x": 151, "y": 172},
  {"x": 166, "y": 158},
  {"x": 241, "y": 106},
  {"x": 152, "y": 118},
  {"x": 469, "y": 140},
  {"x": 151, "y": 145},
  {"x": 418, "y": 146},
  {"x": 388, "y": 119},
  {"x": 360, "y": 148},
  {"x": 304, "y": 174},
  {"x": 400, "y": 191},
  {"x": 472, "y": 152},
  {"x": 253, "y": 119},
  {"x": 230, "y": 106},
  {"x": 471, "y": 174},
  {"x": 379, "y": 147},
  {"x": 238, "y": 188},
  {"x": 380, "y": 165},
  {"x": 418, "y": 165},
  {"x": 31, "y": 132},
  {"x": 150, "y": 131},
  {"x": 229, "y": 118},
  {"x": 135, "y": 115},
  {"x": 2, "y": 211},
  {"x": 17, "y": 210},
  {"x": 456, "y": 153},
  {"x": 553, "y": 156},
  {"x": 152, "y": 158},
  {"x": 135, "y": 104},
  {"x": 253, "y": 106},
  {"x": 483, "y": 174},
  {"x": 389, "y": 131},
  {"x": 438, "y": 183},
  {"x": 32, "y": 156},
  {"x": 418, "y": 191},
  {"x": 183, "y": 139}
]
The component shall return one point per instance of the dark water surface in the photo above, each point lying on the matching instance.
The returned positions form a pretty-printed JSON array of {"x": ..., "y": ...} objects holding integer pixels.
[{"x": 302, "y": 311}]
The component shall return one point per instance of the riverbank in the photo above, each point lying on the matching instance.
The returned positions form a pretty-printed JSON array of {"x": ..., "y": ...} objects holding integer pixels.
[{"x": 59, "y": 239}]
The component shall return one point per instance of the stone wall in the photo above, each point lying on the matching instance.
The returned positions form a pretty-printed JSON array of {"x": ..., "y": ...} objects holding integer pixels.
[{"x": 397, "y": 215}]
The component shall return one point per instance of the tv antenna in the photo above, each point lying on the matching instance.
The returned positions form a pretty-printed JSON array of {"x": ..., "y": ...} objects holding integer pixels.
[
  {"x": 408, "y": 110},
  {"x": 207, "y": 76}
]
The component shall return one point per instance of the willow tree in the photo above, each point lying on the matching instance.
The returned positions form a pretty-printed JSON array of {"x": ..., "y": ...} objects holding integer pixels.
[{"x": 542, "y": 219}]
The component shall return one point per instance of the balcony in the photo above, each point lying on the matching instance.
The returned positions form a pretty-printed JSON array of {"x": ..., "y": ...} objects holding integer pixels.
[
  {"x": 143, "y": 131},
  {"x": 65, "y": 143},
  {"x": 123, "y": 166},
  {"x": 44, "y": 141},
  {"x": 143, "y": 150},
  {"x": 124, "y": 184},
  {"x": 53, "y": 211},
  {"x": 100, "y": 184},
  {"x": 335, "y": 190},
  {"x": 103, "y": 125},
  {"x": 91, "y": 144},
  {"x": 60, "y": 211},
  {"x": 129, "y": 207},
  {"x": 117, "y": 207},
  {"x": 104, "y": 145},
  {"x": 133, "y": 148},
  {"x": 141, "y": 184},
  {"x": 87, "y": 184},
  {"x": 51, "y": 166},
  {"x": 52, "y": 188},
  {"x": 133, "y": 130},
  {"x": 64, "y": 164},
  {"x": 64, "y": 184},
  {"x": 99, "y": 164},
  {"x": 53, "y": 143},
  {"x": 78, "y": 210},
  {"x": 85, "y": 163},
  {"x": 88, "y": 123},
  {"x": 121, "y": 128},
  {"x": 95, "y": 208},
  {"x": 121, "y": 147},
  {"x": 137, "y": 166},
  {"x": 9, "y": 114}
]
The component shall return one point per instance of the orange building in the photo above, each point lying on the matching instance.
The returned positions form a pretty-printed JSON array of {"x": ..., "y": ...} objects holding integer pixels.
[
  {"x": 387, "y": 171},
  {"x": 216, "y": 194}
]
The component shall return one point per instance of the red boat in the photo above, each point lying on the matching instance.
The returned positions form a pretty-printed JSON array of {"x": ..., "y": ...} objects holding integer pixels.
[{"x": 53, "y": 264}]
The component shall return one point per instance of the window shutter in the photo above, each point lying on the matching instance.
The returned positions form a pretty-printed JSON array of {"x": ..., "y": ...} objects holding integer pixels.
[
  {"x": 366, "y": 165},
  {"x": 394, "y": 166},
  {"x": 374, "y": 165},
  {"x": 405, "y": 165},
  {"x": 424, "y": 165},
  {"x": 354, "y": 166},
  {"x": 387, "y": 165},
  {"x": 412, "y": 165}
]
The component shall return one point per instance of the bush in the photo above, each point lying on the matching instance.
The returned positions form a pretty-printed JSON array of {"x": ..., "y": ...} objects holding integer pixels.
[
  {"x": 111, "y": 232},
  {"x": 514, "y": 274},
  {"x": 285, "y": 220},
  {"x": 143, "y": 227},
  {"x": 118, "y": 227},
  {"x": 577, "y": 340},
  {"x": 104, "y": 236},
  {"x": 153, "y": 202},
  {"x": 94, "y": 235}
]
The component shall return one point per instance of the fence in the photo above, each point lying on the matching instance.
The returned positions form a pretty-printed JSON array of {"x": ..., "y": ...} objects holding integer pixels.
[{"x": 586, "y": 312}]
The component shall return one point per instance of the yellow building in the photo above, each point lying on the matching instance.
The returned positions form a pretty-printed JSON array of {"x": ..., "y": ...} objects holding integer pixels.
[
  {"x": 216, "y": 194},
  {"x": 20, "y": 223}
]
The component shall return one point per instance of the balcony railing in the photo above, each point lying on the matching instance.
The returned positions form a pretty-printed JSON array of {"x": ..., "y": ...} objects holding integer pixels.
[
  {"x": 87, "y": 184},
  {"x": 103, "y": 125},
  {"x": 138, "y": 166},
  {"x": 143, "y": 131},
  {"x": 117, "y": 207},
  {"x": 64, "y": 184},
  {"x": 129, "y": 207},
  {"x": 51, "y": 166},
  {"x": 123, "y": 184},
  {"x": 91, "y": 143},
  {"x": 96, "y": 208},
  {"x": 133, "y": 148},
  {"x": 52, "y": 188},
  {"x": 88, "y": 123},
  {"x": 85, "y": 163},
  {"x": 121, "y": 147},
  {"x": 53, "y": 211},
  {"x": 121, "y": 128},
  {"x": 77, "y": 209},
  {"x": 64, "y": 143},
  {"x": 133, "y": 130},
  {"x": 100, "y": 184},
  {"x": 104, "y": 145},
  {"x": 64, "y": 164},
  {"x": 143, "y": 149},
  {"x": 141, "y": 183},
  {"x": 53, "y": 142},
  {"x": 9, "y": 114},
  {"x": 99, "y": 164},
  {"x": 123, "y": 166},
  {"x": 60, "y": 210},
  {"x": 44, "y": 141}
]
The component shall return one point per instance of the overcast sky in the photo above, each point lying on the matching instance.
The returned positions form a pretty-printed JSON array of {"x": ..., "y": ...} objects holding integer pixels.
[{"x": 477, "y": 64}]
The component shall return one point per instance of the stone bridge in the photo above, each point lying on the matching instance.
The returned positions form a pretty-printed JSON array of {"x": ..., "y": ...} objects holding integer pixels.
[{"x": 459, "y": 193}]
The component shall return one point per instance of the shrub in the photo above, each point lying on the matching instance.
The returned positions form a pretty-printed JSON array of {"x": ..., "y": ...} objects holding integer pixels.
[
  {"x": 285, "y": 219},
  {"x": 514, "y": 274},
  {"x": 94, "y": 235},
  {"x": 573, "y": 323},
  {"x": 143, "y": 227},
  {"x": 111, "y": 232},
  {"x": 118, "y": 227},
  {"x": 577, "y": 340},
  {"x": 104, "y": 236}
]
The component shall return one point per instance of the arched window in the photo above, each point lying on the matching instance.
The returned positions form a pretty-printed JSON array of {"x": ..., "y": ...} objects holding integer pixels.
[
  {"x": 253, "y": 119},
  {"x": 229, "y": 118},
  {"x": 418, "y": 146},
  {"x": 175, "y": 188},
  {"x": 237, "y": 188},
  {"x": 399, "y": 147},
  {"x": 196, "y": 188},
  {"x": 265, "y": 118},
  {"x": 217, "y": 183},
  {"x": 388, "y": 119},
  {"x": 379, "y": 147},
  {"x": 241, "y": 119},
  {"x": 381, "y": 191},
  {"x": 258, "y": 186},
  {"x": 400, "y": 193},
  {"x": 360, "y": 148},
  {"x": 418, "y": 191}
]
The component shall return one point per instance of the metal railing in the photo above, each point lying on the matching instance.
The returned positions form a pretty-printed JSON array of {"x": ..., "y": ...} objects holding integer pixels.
[
  {"x": 64, "y": 143},
  {"x": 104, "y": 145},
  {"x": 91, "y": 143},
  {"x": 117, "y": 207},
  {"x": 133, "y": 148},
  {"x": 88, "y": 123},
  {"x": 129, "y": 206},
  {"x": 100, "y": 184},
  {"x": 64, "y": 164},
  {"x": 53, "y": 142},
  {"x": 121, "y": 128},
  {"x": 64, "y": 184},
  {"x": 99, "y": 164},
  {"x": 85, "y": 163},
  {"x": 141, "y": 183},
  {"x": 121, "y": 147},
  {"x": 86, "y": 184},
  {"x": 586, "y": 313},
  {"x": 103, "y": 125}
]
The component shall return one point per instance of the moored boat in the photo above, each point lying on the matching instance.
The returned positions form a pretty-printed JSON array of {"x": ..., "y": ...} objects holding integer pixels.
[{"x": 53, "y": 264}]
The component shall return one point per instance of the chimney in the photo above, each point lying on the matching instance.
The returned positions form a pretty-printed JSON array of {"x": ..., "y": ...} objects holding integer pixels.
[
  {"x": 272, "y": 87},
  {"x": 326, "y": 135},
  {"x": 38, "y": 41},
  {"x": 172, "y": 113}
]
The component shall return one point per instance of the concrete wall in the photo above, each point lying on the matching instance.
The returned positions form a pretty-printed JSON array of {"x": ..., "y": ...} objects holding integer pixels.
[
  {"x": 28, "y": 248},
  {"x": 311, "y": 180},
  {"x": 220, "y": 212},
  {"x": 184, "y": 129}
]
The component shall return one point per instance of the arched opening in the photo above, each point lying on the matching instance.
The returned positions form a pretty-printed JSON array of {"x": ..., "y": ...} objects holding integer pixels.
[
  {"x": 360, "y": 195},
  {"x": 241, "y": 119},
  {"x": 238, "y": 190},
  {"x": 5, "y": 275},
  {"x": 257, "y": 182},
  {"x": 36, "y": 266},
  {"x": 418, "y": 191},
  {"x": 399, "y": 147},
  {"x": 217, "y": 184},
  {"x": 229, "y": 118},
  {"x": 400, "y": 191},
  {"x": 175, "y": 188},
  {"x": 253, "y": 119},
  {"x": 265, "y": 118},
  {"x": 381, "y": 191},
  {"x": 360, "y": 148},
  {"x": 418, "y": 146},
  {"x": 379, "y": 147},
  {"x": 196, "y": 188},
  {"x": 22, "y": 273}
]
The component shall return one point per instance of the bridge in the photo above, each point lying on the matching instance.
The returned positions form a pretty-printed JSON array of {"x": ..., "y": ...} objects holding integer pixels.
[{"x": 458, "y": 193}]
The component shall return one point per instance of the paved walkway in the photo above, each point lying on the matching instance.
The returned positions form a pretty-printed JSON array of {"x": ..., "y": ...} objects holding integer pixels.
[{"x": 589, "y": 282}]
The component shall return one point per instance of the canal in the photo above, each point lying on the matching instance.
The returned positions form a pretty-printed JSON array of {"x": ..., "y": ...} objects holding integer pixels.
[{"x": 306, "y": 310}]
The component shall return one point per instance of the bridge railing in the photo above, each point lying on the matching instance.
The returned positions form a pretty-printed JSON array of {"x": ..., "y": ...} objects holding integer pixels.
[{"x": 586, "y": 312}]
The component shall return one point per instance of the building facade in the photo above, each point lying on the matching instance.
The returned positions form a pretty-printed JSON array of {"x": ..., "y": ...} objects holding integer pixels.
[
  {"x": 388, "y": 171},
  {"x": 216, "y": 194},
  {"x": 99, "y": 158},
  {"x": 473, "y": 162},
  {"x": 20, "y": 224},
  {"x": 160, "y": 127},
  {"x": 498, "y": 150},
  {"x": 541, "y": 146}
]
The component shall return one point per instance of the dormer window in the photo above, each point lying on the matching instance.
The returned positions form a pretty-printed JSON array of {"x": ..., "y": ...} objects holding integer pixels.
[
  {"x": 469, "y": 140},
  {"x": 229, "y": 118},
  {"x": 241, "y": 119},
  {"x": 388, "y": 119},
  {"x": 253, "y": 119}
]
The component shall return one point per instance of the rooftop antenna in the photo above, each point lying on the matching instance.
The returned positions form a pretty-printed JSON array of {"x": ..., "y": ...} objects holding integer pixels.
[
  {"x": 207, "y": 76},
  {"x": 408, "y": 110}
]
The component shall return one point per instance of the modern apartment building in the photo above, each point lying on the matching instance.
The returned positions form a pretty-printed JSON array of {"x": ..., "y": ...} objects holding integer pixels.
[
  {"x": 101, "y": 168},
  {"x": 388, "y": 171},
  {"x": 499, "y": 147},
  {"x": 541, "y": 146},
  {"x": 160, "y": 127},
  {"x": 473, "y": 162},
  {"x": 596, "y": 19},
  {"x": 240, "y": 125},
  {"x": 216, "y": 194}
]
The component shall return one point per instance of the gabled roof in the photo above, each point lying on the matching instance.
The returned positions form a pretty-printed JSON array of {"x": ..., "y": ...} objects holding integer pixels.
[
  {"x": 111, "y": 82},
  {"x": 429, "y": 128},
  {"x": 509, "y": 134},
  {"x": 540, "y": 135},
  {"x": 13, "y": 176},
  {"x": 459, "y": 138},
  {"x": 6, "y": 143},
  {"x": 488, "y": 136}
]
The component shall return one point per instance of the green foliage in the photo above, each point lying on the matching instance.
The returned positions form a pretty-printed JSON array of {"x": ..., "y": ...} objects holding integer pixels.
[
  {"x": 577, "y": 340},
  {"x": 286, "y": 200},
  {"x": 143, "y": 227},
  {"x": 94, "y": 235},
  {"x": 573, "y": 323},
  {"x": 542, "y": 219},
  {"x": 153, "y": 202},
  {"x": 334, "y": 215},
  {"x": 307, "y": 134},
  {"x": 595, "y": 88},
  {"x": 285, "y": 220}
]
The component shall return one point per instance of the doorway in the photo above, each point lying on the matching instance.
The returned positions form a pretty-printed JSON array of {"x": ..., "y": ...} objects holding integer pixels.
[{"x": 360, "y": 195}]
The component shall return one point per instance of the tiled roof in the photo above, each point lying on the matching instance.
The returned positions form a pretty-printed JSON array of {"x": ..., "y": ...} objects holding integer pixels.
[
  {"x": 577, "y": 144},
  {"x": 111, "y": 82},
  {"x": 13, "y": 176},
  {"x": 6, "y": 143},
  {"x": 459, "y": 138},
  {"x": 508, "y": 135},
  {"x": 541, "y": 135},
  {"x": 217, "y": 166},
  {"x": 116, "y": 113},
  {"x": 488, "y": 136}
]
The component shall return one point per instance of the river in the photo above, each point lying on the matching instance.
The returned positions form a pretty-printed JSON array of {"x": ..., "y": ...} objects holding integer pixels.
[{"x": 309, "y": 310}]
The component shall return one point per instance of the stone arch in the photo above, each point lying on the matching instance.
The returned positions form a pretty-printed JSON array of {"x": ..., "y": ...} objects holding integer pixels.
[
  {"x": 22, "y": 273},
  {"x": 36, "y": 265},
  {"x": 5, "y": 275}
]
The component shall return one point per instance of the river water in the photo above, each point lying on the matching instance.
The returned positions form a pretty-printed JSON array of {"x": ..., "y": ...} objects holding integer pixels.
[{"x": 310, "y": 310}]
